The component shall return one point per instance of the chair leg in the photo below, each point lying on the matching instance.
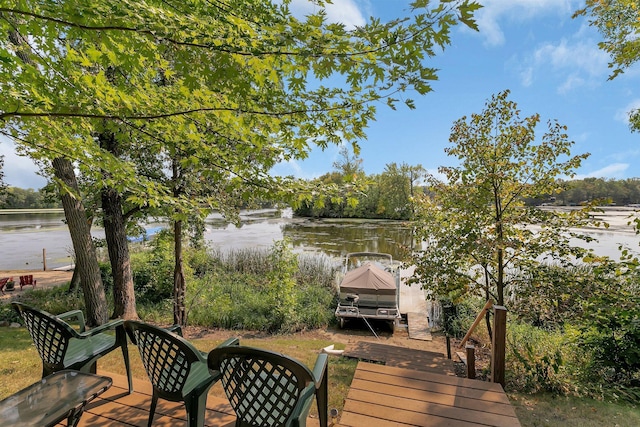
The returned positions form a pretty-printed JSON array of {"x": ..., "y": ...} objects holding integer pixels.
[
  {"x": 125, "y": 356},
  {"x": 196, "y": 404},
  {"x": 152, "y": 409}
]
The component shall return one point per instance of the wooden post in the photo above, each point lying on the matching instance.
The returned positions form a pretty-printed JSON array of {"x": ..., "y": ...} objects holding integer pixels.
[
  {"x": 471, "y": 361},
  {"x": 448, "y": 347},
  {"x": 498, "y": 345},
  {"x": 44, "y": 259}
]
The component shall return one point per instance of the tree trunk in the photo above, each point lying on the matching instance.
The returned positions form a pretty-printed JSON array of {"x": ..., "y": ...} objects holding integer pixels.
[
  {"x": 124, "y": 300},
  {"x": 85, "y": 251},
  {"x": 75, "y": 281},
  {"x": 487, "y": 297},
  {"x": 115, "y": 230},
  {"x": 87, "y": 270},
  {"x": 179, "y": 285}
]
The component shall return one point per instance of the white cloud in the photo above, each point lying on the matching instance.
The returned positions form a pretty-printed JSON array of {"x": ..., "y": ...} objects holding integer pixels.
[
  {"x": 572, "y": 82},
  {"x": 19, "y": 171},
  {"x": 577, "y": 62},
  {"x": 526, "y": 76},
  {"x": 344, "y": 11},
  {"x": 495, "y": 11},
  {"x": 614, "y": 170},
  {"x": 622, "y": 115}
]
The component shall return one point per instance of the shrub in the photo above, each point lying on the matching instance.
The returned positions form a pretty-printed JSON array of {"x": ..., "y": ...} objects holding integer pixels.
[
  {"x": 553, "y": 294},
  {"x": 535, "y": 359},
  {"x": 610, "y": 328}
]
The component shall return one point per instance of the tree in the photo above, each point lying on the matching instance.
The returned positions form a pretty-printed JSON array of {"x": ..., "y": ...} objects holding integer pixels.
[
  {"x": 397, "y": 185},
  {"x": 618, "y": 21},
  {"x": 75, "y": 214},
  {"x": 233, "y": 88},
  {"x": 479, "y": 237}
]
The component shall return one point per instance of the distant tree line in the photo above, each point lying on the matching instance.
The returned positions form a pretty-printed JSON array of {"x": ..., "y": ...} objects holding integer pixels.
[
  {"x": 619, "y": 192},
  {"x": 20, "y": 198},
  {"x": 388, "y": 195}
]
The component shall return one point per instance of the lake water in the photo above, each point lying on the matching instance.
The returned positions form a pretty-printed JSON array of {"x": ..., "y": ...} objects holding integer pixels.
[{"x": 23, "y": 237}]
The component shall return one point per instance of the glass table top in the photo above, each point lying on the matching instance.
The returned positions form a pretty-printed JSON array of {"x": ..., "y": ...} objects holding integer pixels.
[{"x": 52, "y": 399}]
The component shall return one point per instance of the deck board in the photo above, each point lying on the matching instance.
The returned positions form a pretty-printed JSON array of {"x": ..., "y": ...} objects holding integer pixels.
[
  {"x": 116, "y": 408},
  {"x": 384, "y": 396}
]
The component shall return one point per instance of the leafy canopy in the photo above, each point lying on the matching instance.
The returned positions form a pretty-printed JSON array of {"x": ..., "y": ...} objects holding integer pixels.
[
  {"x": 231, "y": 87},
  {"x": 479, "y": 235}
]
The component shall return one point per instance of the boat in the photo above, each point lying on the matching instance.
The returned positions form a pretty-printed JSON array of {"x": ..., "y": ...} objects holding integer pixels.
[{"x": 369, "y": 289}]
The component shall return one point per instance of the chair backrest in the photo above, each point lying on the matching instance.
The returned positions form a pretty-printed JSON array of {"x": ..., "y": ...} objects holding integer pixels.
[
  {"x": 27, "y": 280},
  {"x": 3, "y": 283},
  {"x": 166, "y": 357},
  {"x": 263, "y": 387},
  {"x": 50, "y": 335}
]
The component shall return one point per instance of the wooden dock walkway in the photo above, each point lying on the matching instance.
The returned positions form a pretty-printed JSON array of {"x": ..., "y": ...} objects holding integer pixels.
[
  {"x": 401, "y": 357},
  {"x": 384, "y": 396}
]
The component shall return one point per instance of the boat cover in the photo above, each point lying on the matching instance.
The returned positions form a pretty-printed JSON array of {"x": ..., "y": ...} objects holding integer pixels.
[{"x": 368, "y": 279}]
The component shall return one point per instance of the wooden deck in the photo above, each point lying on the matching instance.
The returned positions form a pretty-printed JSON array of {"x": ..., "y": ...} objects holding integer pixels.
[
  {"x": 117, "y": 408},
  {"x": 383, "y": 396}
]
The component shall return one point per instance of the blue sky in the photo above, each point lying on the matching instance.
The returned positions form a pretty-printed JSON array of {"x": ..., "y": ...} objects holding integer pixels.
[{"x": 549, "y": 61}]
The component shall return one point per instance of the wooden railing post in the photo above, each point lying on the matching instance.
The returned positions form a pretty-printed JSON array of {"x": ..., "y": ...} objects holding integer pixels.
[
  {"x": 498, "y": 344},
  {"x": 471, "y": 361}
]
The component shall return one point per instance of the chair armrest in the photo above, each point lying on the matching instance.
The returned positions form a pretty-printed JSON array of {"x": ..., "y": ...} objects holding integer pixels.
[
  {"x": 320, "y": 369},
  {"x": 99, "y": 329},
  {"x": 229, "y": 342},
  {"x": 73, "y": 314},
  {"x": 303, "y": 404},
  {"x": 176, "y": 329},
  {"x": 321, "y": 375}
]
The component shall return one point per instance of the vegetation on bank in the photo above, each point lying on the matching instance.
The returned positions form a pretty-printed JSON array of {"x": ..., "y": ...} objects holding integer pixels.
[
  {"x": 574, "y": 332},
  {"x": 271, "y": 290}
]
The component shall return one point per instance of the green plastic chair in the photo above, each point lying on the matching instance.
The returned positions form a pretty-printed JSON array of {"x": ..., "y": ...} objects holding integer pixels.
[
  {"x": 62, "y": 347},
  {"x": 270, "y": 389},
  {"x": 178, "y": 371}
]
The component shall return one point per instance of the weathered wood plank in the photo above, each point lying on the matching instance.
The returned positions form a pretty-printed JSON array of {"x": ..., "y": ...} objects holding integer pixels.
[
  {"x": 400, "y": 417},
  {"x": 385, "y": 396},
  {"x": 432, "y": 396},
  {"x": 426, "y": 404},
  {"x": 402, "y": 357},
  {"x": 118, "y": 408},
  {"x": 427, "y": 376}
]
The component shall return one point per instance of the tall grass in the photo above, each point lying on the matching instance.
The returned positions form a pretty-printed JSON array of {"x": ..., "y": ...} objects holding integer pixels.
[{"x": 246, "y": 291}]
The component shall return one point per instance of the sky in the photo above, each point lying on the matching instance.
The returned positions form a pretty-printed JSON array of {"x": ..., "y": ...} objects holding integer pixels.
[{"x": 550, "y": 62}]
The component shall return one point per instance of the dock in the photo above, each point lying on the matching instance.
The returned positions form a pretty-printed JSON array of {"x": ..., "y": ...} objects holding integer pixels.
[{"x": 414, "y": 307}]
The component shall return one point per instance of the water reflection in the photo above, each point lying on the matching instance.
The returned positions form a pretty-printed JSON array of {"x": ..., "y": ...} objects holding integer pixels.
[{"x": 339, "y": 237}]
